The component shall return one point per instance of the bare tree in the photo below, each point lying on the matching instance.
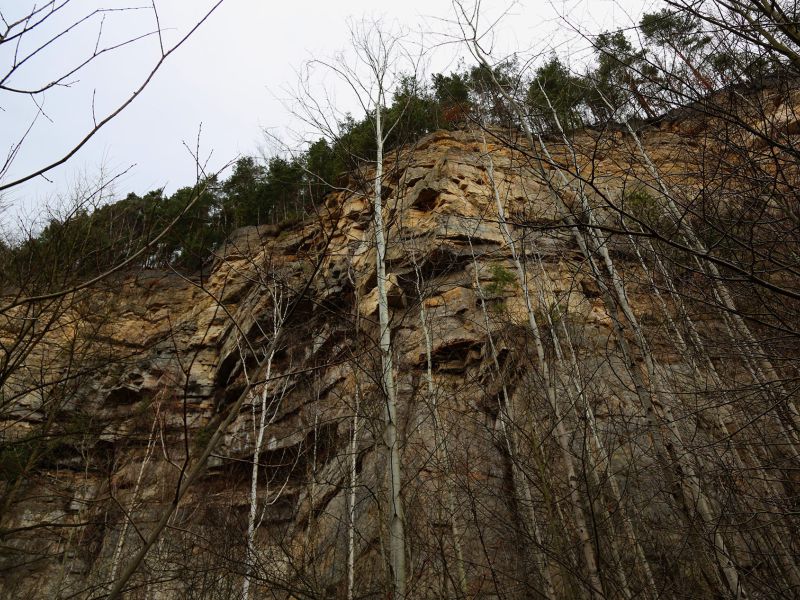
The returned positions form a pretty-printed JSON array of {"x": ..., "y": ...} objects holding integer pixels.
[
  {"x": 371, "y": 75},
  {"x": 577, "y": 197},
  {"x": 34, "y": 33}
]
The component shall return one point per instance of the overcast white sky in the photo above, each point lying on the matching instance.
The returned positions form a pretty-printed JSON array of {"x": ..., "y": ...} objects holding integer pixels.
[{"x": 231, "y": 76}]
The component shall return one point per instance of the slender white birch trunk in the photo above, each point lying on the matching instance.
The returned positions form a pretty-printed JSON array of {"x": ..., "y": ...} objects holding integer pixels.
[
  {"x": 760, "y": 367},
  {"x": 692, "y": 492},
  {"x": 250, "y": 555},
  {"x": 722, "y": 413},
  {"x": 351, "y": 498},
  {"x": 693, "y": 496},
  {"x": 253, "y": 512},
  {"x": 765, "y": 371},
  {"x": 397, "y": 549},
  {"x": 124, "y": 533}
]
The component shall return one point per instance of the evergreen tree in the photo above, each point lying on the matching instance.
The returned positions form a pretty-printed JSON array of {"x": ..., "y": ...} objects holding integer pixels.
[
  {"x": 555, "y": 92},
  {"x": 322, "y": 170},
  {"x": 621, "y": 75},
  {"x": 681, "y": 33},
  {"x": 487, "y": 98},
  {"x": 245, "y": 199}
]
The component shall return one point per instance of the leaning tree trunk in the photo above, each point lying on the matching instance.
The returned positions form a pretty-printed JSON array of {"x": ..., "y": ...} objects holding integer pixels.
[
  {"x": 722, "y": 413},
  {"x": 764, "y": 371},
  {"x": 694, "y": 498},
  {"x": 614, "y": 293},
  {"x": 522, "y": 490},
  {"x": 595, "y": 584}
]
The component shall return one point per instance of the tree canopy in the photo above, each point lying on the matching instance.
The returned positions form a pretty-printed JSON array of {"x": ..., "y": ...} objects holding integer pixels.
[{"x": 624, "y": 80}]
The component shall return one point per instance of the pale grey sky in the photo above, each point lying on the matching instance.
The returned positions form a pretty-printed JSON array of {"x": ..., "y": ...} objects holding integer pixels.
[{"x": 231, "y": 76}]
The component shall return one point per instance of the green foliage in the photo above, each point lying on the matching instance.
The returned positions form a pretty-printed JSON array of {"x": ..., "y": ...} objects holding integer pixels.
[
  {"x": 487, "y": 98},
  {"x": 501, "y": 278},
  {"x": 743, "y": 67},
  {"x": 556, "y": 93},
  {"x": 14, "y": 459},
  {"x": 645, "y": 208},
  {"x": 679, "y": 32},
  {"x": 86, "y": 242},
  {"x": 414, "y": 110},
  {"x": 451, "y": 94},
  {"x": 356, "y": 142},
  {"x": 245, "y": 199},
  {"x": 621, "y": 73},
  {"x": 196, "y": 231},
  {"x": 323, "y": 170},
  {"x": 624, "y": 82},
  {"x": 285, "y": 187},
  {"x": 674, "y": 29},
  {"x": 452, "y": 89}
]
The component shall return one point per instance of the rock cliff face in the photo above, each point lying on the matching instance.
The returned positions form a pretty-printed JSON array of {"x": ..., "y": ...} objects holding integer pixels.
[{"x": 496, "y": 476}]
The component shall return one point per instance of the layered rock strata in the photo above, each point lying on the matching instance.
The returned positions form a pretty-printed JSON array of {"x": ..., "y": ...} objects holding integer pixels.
[{"x": 486, "y": 484}]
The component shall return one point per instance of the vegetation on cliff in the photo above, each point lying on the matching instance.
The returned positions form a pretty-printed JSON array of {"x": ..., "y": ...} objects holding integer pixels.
[
  {"x": 526, "y": 329},
  {"x": 674, "y": 63}
]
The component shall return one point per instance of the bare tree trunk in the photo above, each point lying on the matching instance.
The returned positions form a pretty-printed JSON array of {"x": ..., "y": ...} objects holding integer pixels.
[
  {"x": 722, "y": 413},
  {"x": 765, "y": 372},
  {"x": 598, "y": 458},
  {"x": 351, "y": 497},
  {"x": 250, "y": 558},
  {"x": 522, "y": 490},
  {"x": 124, "y": 533},
  {"x": 354, "y": 436},
  {"x": 278, "y": 315},
  {"x": 440, "y": 440},
  {"x": 692, "y": 494},
  {"x": 595, "y": 584},
  {"x": 694, "y": 497},
  {"x": 397, "y": 550}
]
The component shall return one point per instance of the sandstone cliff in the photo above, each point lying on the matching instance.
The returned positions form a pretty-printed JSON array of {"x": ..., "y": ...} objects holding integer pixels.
[{"x": 492, "y": 469}]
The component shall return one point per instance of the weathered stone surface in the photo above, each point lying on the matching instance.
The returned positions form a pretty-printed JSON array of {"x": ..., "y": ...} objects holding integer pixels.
[{"x": 178, "y": 356}]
